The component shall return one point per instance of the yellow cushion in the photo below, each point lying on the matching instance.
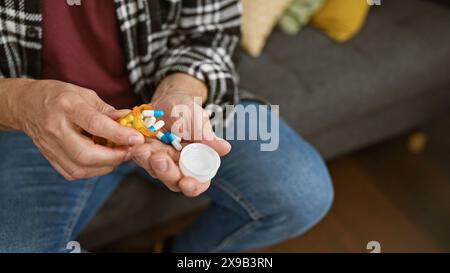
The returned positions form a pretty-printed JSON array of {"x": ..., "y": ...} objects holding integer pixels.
[
  {"x": 258, "y": 19},
  {"x": 341, "y": 19}
]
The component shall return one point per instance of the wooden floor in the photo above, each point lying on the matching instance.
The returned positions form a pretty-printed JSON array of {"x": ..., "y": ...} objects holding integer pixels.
[{"x": 384, "y": 193}]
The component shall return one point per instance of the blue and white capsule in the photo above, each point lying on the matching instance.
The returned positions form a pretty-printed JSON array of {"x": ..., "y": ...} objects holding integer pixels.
[
  {"x": 170, "y": 139},
  {"x": 153, "y": 113},
  {"x": 149, "y": 121},
  {"x": 158, "y": 125}
]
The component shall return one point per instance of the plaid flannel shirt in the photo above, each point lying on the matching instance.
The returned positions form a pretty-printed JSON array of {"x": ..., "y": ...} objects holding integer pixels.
[{"x": 197, "y": 37}]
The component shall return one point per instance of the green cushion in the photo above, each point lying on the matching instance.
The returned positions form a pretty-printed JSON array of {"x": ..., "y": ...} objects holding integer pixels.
[{"x": 298, "y": 15}]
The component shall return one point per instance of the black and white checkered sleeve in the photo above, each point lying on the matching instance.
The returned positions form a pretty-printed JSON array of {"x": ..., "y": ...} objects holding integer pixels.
[{"x": 202, "y": 45}]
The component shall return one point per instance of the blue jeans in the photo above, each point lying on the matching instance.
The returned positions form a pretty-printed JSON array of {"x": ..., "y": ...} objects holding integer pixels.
[{"x": 258, "y": 198}]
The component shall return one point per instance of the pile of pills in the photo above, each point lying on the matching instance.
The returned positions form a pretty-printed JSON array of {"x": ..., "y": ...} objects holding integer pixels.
[
  {"x": 150, "y": 121},
  {"x": 196, "y": 160}
]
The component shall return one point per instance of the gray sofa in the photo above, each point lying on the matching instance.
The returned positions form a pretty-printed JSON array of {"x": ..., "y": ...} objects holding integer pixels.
[{"x": 393, "y": 76}]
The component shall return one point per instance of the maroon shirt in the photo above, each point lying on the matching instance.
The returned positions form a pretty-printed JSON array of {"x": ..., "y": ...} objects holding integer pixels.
[{"x": 81, "y": 45}]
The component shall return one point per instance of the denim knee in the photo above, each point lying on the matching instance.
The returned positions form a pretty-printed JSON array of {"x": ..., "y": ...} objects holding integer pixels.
[
  {"x": 297, "y": 213},
  {"x": 301, "y": 219},
  {"x": 299, "y": 200}
]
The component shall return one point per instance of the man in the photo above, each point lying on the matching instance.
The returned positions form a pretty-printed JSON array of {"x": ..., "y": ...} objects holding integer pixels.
[{"x": 65, "y": 70}]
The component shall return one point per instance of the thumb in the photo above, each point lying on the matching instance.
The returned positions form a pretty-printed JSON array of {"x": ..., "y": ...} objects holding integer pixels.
[
  {"x": 95, "y": 101},
  {"x": 220, "y": 145},
  {"x": 117, "y": 114},
  {"x": 100, "y": 120},
  {"x": 92, "y": 98}
]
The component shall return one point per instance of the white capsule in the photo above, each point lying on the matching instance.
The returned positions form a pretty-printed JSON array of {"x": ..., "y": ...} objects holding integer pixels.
[
  {"x": 174, "y": 140},
  {"x": 177, "y": 145},
  {"x": 170, "y": 139},
  {"x": 158, "y": 125},
  {"x": 177, "y": 137},
  {"x": 153, "y": 113},
  {"x": 149, "y": 121}
]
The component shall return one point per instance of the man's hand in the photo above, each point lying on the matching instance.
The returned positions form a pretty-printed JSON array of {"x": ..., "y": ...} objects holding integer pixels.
[
  {"x": 55, "y": 114},
  {"x": 161, "y": 160}
]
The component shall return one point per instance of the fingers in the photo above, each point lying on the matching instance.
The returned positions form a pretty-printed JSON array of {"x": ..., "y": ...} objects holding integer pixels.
[
  {"x": 194, "y": 130},
  {"x": 92, "y": 98},
  {"x": 69, "y": 169},
  {"x": 141, "y": 154},
  {"x": 190, "y": 121},
  {"x": 157, "y": 145},
  {"x": 117, "y": 114},
  {"x": 75, "y": 151},
  {"x": 191, "y": 187},
  {"x": 54, "y": 163},
  {"x": 85, "y": 153},
  {"x": 221, "y": 146},
  {"x": 101, "y": 125},
  {"x": 96, "y": 102},
  {"x": 166, "y": 170},
  {"x": 72, "y": 154}
]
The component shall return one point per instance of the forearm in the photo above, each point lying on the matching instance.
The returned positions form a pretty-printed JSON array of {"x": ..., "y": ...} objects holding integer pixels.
[
  {"x": 182, "y": 83},
  {"x": 10, "y": 90}
]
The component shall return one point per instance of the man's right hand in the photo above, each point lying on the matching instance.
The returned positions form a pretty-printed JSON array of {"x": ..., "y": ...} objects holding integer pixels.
[{"x": 55, "y": 114}]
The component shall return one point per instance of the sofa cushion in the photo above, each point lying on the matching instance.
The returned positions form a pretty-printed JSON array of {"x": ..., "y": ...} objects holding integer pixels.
[
  {"x": 258, "y": 20},
  {"x": 298, "y": 15},
  {"x": 341, "y": 20},
  {"x": 400, "y": 53}
]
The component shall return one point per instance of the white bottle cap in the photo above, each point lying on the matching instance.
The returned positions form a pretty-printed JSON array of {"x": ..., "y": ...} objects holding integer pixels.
[{"x": 199, "y": 161}]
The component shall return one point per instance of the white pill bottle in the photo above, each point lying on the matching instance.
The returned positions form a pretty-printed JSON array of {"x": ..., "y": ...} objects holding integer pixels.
[{"x": 199, "y": 161}]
